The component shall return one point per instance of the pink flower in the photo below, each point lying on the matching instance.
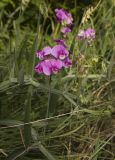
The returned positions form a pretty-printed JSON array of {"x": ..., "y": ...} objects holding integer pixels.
[
  {"x": 63, "y": 16},
  {"x": 65, "y": 30},
  {"x": 38, "y": 68},
  {"x": 67, "y": 63},
  {"x": 46, "y": 51},
  {"x": 90, "y": 33},
  {"x": 60, "y": 52},
  {"x": 49, "y": 66},
  {"x": 56, "y": 59},
  {"x": 46, "y": 66},
  {"x": 56, "y": 65}
]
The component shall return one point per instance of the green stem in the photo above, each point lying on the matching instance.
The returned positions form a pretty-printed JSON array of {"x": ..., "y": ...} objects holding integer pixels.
[
  {"x": 56, "y": 30},
  {"x": 49, "y": 98},
  {"x": 48, "y": 106}
]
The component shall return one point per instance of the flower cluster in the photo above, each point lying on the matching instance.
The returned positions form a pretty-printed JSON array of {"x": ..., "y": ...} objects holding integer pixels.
[
  {"x": 65, "y": 19},
  {"x": 88, "y": 34},
  {"x": 53, "y": 59}
]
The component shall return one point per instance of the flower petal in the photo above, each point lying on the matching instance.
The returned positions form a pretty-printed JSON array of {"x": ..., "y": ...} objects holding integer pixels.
[
  {"x": 46, "y": 65},
  {"x": 47, "y": 50},
  {"x": 40, "y": 54},
  {"x": 38, "y": 68},
  {"x": 60, "y": 42},
  {"x": 63, "y": 16},
  {"x": 90, "y": 33},
  {"x": 67, "y": 63},
  {"x": 59, "y": 51},
  {"x": 65, "y": 30},
  {"x": 56, "y": 63}
]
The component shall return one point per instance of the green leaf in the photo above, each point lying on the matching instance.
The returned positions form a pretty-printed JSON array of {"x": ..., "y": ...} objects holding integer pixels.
[{"x": 45, "y": 152}]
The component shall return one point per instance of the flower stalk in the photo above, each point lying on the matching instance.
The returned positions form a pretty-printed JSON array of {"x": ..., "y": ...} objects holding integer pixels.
[{"x": 49, "y": 97}]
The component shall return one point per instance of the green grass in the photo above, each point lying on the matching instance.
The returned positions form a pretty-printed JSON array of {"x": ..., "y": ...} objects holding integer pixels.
[{"x": 81, "y": 122}]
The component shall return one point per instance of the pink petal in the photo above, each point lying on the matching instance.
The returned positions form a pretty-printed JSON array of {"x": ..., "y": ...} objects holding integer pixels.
[
  {"x": 59, "y": 50},
  {"x": 65, "y": 30},
  {"x": 40, "y": 54},
  {"x": 67, "y": 63},
  {"x": 47, "y": 50},
  {"x": 38, "y": 68},
  {"x": 46, "y": 65}
]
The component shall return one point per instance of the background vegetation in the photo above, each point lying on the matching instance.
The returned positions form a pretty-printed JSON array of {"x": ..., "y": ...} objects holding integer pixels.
[{"x": 81, "y": 123}]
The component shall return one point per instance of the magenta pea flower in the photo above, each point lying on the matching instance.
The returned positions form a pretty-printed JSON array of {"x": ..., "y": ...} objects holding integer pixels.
[
  {"x": 90, "y": 33},
  {"x": 43, "y": 67},
  {"x": 60, "y": 52},
  {"x": 46, "y": 51},
  {"x": 49, "y": 66},
  {"x": 39, "y": 68},
  {"x": 40, "y": 54},
  {"x": 46, "y": 66},
  {"x": 56, "y": 65},
  {"x": 58, "y": 58},
  {"x": 63, "y": 16},
  {"x": 67, "y": 63},
  {"x": 86, "y": 34},
  {"x": 60, "y": 42},
  {"x": 65, "y": 30}
]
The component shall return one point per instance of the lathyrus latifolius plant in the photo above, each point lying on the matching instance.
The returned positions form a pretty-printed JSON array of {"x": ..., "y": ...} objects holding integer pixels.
[{"x": 52, "y": 59}]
